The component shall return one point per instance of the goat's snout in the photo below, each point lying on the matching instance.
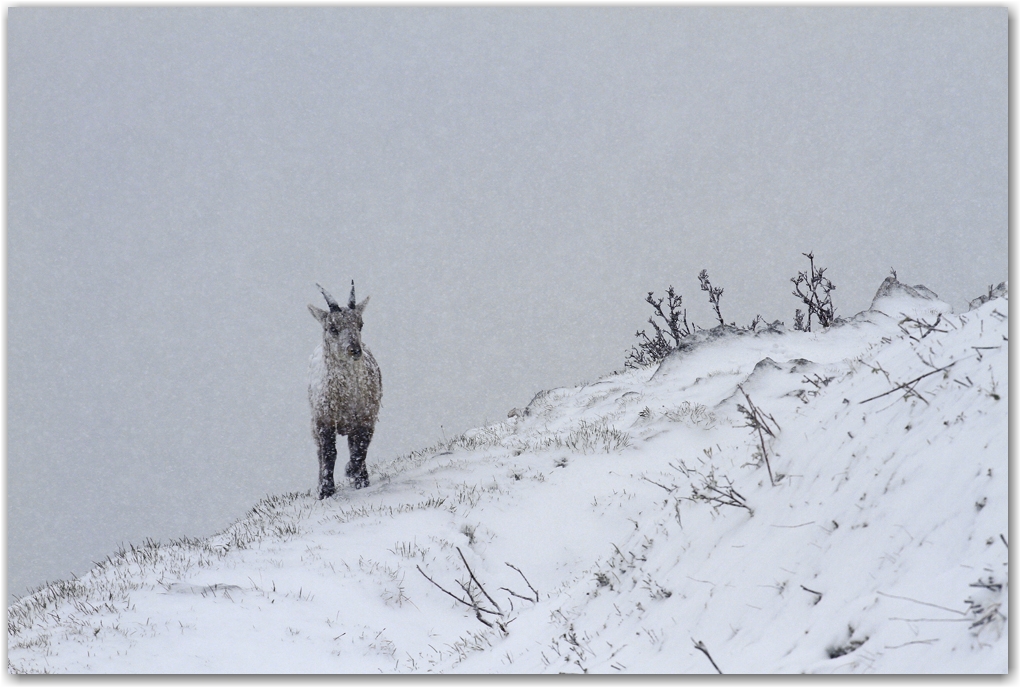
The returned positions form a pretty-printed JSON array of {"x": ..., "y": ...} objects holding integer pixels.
[{"x": 354, "y": 352}]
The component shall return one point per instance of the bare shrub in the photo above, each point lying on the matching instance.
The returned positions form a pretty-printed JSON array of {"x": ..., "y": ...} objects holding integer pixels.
[
  {"x": 653, "y": 349},
  {"x": 714, "y": 293},
  {"x": 814, "y": 289}
]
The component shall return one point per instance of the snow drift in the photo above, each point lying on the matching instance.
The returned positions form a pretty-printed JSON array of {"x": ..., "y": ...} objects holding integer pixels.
[{"x": 626, "y": 525}]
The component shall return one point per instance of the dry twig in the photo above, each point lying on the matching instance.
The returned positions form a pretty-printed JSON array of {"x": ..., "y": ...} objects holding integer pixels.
[
  {"x": 533, "y": 590},
  {"x": 908, "y": 387},
  {"x": 756, "y": 420},
  {"x": 703, "y": 649},
  {"x": 473, "y": 603}
]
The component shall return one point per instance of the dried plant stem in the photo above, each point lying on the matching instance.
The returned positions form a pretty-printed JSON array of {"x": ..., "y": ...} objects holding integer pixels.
[
  {"x": 714, "y": 294},
  {"x": 475, "y": 579},
  {"x": 703, "y": 649},
  {"x": 454, "y": 596},
  {"x": 908, "y": 386},
  {"x": 533, "y": 590},
  {"x": 756, "y": 420},
  {"x": 473, "y": 603}
]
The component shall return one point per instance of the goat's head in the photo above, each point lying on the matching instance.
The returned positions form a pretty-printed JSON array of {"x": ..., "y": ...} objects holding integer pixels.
[{"x": 341, "y": 327}]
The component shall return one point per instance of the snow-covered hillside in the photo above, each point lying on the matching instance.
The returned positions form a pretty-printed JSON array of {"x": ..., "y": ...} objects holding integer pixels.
[{"x": 625, "y": 525}]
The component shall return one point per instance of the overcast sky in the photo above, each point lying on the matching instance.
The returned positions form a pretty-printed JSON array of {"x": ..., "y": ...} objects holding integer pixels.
[{"x": 506, "y": 184}]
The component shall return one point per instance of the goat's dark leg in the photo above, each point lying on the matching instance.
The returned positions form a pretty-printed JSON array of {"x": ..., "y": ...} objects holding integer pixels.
[
  {"x": 325, "y": 436},
  {"x": 357, "y": 443}
]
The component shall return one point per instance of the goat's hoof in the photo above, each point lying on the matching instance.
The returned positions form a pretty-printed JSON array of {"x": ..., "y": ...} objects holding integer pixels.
[
  {"x": 326, "y": 492},
  {"x": 358, "y": 474}
]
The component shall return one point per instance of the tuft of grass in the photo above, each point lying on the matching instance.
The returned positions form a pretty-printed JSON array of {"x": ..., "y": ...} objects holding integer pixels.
[
  {"x": 106, "y": 588},
  {"x": 692, "y": 414},
  {"x": 273, "y": 517}
]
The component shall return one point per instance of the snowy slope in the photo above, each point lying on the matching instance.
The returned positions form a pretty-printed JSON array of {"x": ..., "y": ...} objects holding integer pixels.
[{"x": 612, "y": 526}]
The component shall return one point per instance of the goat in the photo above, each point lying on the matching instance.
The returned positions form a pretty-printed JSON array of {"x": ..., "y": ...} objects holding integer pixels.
[{"x": 344, "y": 389}]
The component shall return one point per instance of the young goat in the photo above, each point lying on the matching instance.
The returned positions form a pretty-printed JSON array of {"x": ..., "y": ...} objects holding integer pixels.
[{"x": 345, "y": 390}]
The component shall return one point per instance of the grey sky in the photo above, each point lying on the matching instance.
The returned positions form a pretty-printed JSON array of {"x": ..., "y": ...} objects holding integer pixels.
[{"x": 506, "y": 184}]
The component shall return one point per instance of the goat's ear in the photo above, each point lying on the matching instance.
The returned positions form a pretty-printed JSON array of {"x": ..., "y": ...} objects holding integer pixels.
[
  {"x": 318, "y": 314},
  {"x": 360, "y": 307}
]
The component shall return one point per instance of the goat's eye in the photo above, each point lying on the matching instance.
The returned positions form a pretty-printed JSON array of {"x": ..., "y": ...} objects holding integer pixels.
[{"x": 333, "y": 331}]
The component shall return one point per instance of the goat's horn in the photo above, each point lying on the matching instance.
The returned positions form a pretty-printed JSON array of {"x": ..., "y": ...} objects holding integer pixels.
[
  {"x": 350, "y": 301},
  {"x": 333, "y": 307}
]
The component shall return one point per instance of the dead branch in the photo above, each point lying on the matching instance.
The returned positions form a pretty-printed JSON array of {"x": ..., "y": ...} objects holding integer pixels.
[
  {"x": 533, "y": 590},
  {"x": 812, "y": 591},
  {"x": 714, "y": 293},
  {"x": 473, "y": 604},
  {"x": 491, "y": 600},
  {"x": 921, "y": 326},
  {"x": 682, "y": 469},
  {"x": 984, "y": 348},
  {"x": 756, "y": 422},
  {"x": 989, "y": 584},
  {"x": 878, "y": 368},
  {"x": 923, "y": 603},
  {"x": 450, "y": 594},
  {"x": 818, "y": 382},
  {"x": 668, "y": 490},
  {"x": 758, "y": 412},
  {"x": 729, "y": 497},
  {"x": 908, "y": 386},
  {"x": 701, "y": 647}
]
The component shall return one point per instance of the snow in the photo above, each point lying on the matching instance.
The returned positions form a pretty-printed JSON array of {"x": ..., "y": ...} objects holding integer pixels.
[{"x": 639, "y": 513}]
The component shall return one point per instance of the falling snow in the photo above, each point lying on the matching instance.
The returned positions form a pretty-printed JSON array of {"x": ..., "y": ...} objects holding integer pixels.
[{"x": 826, "y": 502}]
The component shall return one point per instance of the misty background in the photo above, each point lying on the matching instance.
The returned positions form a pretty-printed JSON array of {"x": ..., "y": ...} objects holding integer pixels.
[{"x": 505, "y": 183}]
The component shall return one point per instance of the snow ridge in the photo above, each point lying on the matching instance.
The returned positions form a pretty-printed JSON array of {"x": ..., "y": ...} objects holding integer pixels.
[{"x": 626, "y": 525}]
